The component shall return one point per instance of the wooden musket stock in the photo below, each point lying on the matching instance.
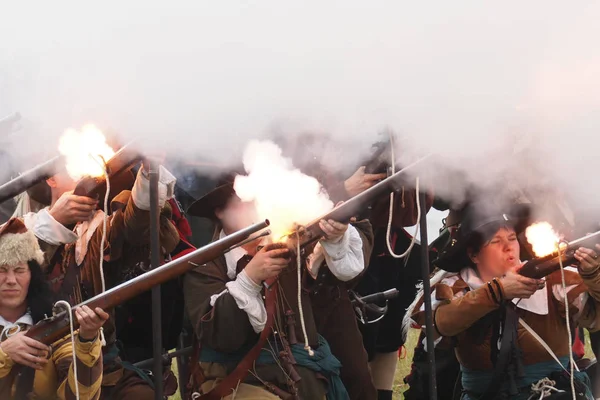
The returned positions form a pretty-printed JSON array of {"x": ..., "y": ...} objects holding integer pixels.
[
  {"x": 543, "y": 266},
  {"x": 122, "y": 161},
  {"x": 56, "y": 327}
]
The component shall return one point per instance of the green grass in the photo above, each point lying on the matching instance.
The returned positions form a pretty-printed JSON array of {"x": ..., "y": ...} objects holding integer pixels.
[{"x": 404, "y": 363}]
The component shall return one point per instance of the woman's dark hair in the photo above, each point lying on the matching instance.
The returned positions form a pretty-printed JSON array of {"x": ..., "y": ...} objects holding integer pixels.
[
  {"x": 40, "y": 301},
  {"x": 40, "y": 298}
]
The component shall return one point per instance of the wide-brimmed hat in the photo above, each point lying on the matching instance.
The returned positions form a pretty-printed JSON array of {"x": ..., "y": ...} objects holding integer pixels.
[
  {"x": 206, "y": 205},
  {"x": 475, "y": 229},
  {"x": 18, "y": 244}
]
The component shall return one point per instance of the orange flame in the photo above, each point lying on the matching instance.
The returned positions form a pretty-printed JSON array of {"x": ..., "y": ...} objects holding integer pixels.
[
  {"x": 84, "y": 151},
  {"x": 279, "y": 191},
  {"x": 542, "y": 238}
]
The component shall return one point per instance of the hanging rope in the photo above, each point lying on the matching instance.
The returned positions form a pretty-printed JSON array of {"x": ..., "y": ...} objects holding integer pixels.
[
  {"x": 103, "y": 239},
  {"x": 302, "y": 323},
  {"x": 69, "y": 311},
  {"x": 391, "y": 216},
  {"x": 544, "y": 387},
  {"x": 564, "y": 288}
]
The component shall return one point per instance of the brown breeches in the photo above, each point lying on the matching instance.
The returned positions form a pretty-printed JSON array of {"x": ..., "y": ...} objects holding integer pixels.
[
  {"x": 130, "y": 386},
  {"x": 337, "y": 323}
]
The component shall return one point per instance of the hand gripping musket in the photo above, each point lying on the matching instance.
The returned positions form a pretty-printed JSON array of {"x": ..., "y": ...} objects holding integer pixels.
[
  {"x": 122, "y": 161},
  {"x": 351, "y": 208},
  {"x": 543, "y": 266},
  {"x": 50, "y": 330}
]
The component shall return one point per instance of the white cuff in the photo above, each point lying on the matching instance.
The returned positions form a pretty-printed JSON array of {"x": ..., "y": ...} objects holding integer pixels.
[
  {"x": 345, "y": 257},
  {"x": 248, "y": 298},
  {"x": 46, "y": 228},
  {"x": 338, "y": 249},
  {"x": 141, "y": 189}
]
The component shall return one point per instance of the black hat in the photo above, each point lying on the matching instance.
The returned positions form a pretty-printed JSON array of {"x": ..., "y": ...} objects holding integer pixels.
[
  {"x": 475, "y": 229},
  {"x": 206, "y": 205}
]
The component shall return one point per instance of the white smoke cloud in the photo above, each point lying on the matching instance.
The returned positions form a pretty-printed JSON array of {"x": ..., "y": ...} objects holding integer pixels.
[
  {"x": 471, "y": 81},
  {"x": 280, "y": 192}
]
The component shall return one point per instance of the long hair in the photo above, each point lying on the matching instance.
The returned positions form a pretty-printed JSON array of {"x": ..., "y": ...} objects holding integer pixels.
[
  {"x": 40, "y": 298},
  {"x": 40, "y": 301}
]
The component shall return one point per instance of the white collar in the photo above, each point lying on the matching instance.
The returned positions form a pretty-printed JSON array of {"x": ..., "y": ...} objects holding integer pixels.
[
  {"x": 537, "y": 303},
  {"x": 232, "y": 257},
  {"x": 25, "y": 319}
]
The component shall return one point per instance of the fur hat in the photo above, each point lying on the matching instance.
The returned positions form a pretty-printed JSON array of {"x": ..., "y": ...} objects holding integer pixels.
[{"x": 18, "y": 244}]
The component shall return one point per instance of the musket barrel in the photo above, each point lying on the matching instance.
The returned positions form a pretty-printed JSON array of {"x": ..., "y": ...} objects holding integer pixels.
[
  {"x": 380, "y": 296},
  {"x": 352, "y": 207},
  {"x": 592, "y": 237},
  {"x": 7, "y": 122},
  {"x": 123, "y": 160},
  {"x": 29, "y": 178},
  {"x": 170, "y": 270},
  {"x": 55, "y": 328}
]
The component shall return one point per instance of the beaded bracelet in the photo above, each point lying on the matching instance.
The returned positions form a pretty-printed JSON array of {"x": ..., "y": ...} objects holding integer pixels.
[
  {"x": 491, "y": 289},
  {"x": 495, "y": 280}
]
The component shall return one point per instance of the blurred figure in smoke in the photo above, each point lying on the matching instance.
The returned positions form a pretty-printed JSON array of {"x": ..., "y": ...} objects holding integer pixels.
[{"x": 377, "y": 348}]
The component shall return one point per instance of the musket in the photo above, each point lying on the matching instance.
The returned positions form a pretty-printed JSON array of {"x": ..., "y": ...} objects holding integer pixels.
[
  {"x": 6, "y": 123},
  {"x": 51, "y": 329},
  {"x": 543, "y": 266},
  {"x": 122, "y": 161},
  {"x": 352, "y": 207},
  {"x": 377, "y": 297},
  {"x": 30, "y": 178},
  {"x": 167, "y": 357}
]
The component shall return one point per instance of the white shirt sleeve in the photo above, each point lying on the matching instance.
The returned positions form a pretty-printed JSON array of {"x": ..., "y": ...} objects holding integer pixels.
[
  {"x": 46, "y": 228},
  {"x": 141, "y": 189},
  {"x": 247, "y": 296},
  {"x": 344, "y": 258}
]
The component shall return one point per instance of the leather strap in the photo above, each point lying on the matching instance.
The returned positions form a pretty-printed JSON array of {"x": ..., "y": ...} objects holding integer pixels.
[
  {"x": 506, "y": 353},
  {"x": 196, "y": 378},
  {"x": 545, "y": 345},
  {"x": 225, "y": 387}
]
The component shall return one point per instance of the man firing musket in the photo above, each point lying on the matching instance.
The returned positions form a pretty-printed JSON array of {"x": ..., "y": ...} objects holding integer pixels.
[
  {"x": 88, "y": 245},
  {"x": 272, "y": 344},
  {"x": 367, "y": 350}
]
